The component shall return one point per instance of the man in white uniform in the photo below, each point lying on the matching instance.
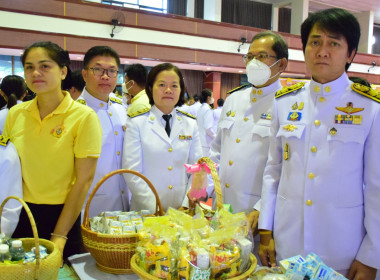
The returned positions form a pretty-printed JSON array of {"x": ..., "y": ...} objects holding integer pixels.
[
  {"x": 101, "y": 65},
  {"x": 135, "y": 79},
  {"x": 194, "y": 108},
  {"x": 11, "y": 184},
  {"x": 205, "y": 121},
  {"x": 321, "y": 186},
  {"x": 241, "y": 144}
]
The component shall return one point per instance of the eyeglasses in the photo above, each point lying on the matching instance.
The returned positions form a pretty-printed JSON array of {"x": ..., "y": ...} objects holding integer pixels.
[
  {"x": 261, "y": 56},
  {"x": 112, "y": 73}
]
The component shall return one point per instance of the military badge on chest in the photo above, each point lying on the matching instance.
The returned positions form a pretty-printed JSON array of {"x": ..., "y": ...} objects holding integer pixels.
[
  {"x": 295, "y": 114},
  {"x": 348, "y": 118}
]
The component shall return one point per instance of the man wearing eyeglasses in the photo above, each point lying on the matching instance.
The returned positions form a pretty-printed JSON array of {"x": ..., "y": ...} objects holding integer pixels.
[
  {"x": 241, "y": 144},
  {"x": 101, "y": 67}
]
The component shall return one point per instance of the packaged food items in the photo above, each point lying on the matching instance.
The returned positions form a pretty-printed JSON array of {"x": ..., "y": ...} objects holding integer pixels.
[{"x": 194, "y": 249}]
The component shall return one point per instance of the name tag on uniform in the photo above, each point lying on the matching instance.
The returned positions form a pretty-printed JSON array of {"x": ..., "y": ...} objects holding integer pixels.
[{"x": 185, "y": 137}]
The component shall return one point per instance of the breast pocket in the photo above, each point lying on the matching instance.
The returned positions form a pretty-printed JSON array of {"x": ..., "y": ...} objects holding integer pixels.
[
  {"x": 225, "y": 126},
  {"x": 261, "y": 131},
  {"x": 291, "y": 131}
]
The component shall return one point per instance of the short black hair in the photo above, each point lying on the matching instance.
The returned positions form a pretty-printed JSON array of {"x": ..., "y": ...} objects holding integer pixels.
[
  {"x": 360, "y": 80},
  {"x": 102, "y": 51},
  {"x": 280, "y": 47},
  {"x": 336, "y": 21},
  {"x": 138, "y": 73},
  {"x": 196, "y": 98},
  {"x": 77, "y": 80},
  {"x": 152, "y": 77},
  {"x": 57, "y": 54},
  {"x": 14, "y": 87},
  {"x": 206, "y": 93},
  {"x": 220, "y": 102}
]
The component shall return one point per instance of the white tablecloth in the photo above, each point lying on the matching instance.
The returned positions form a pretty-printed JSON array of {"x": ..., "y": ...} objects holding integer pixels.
[{"x": 85, "y": 266}]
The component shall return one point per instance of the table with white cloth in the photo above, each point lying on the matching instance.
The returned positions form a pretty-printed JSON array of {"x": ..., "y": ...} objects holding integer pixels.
[{"x": 85, "y": 267}]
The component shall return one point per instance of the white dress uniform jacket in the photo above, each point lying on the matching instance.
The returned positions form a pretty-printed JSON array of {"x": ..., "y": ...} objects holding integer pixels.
[
  {"x": 160, "y": 158},
  {"x": 113, "y": 194},
  {"x": 193, "y": 109},
  {"x": 216, "y": 114},
  {"x": 241, "y": 145},
  {"x": 10, "y": 184},
  {"x": 205, "y": 121},
  {"x": 321, "y": 187}
]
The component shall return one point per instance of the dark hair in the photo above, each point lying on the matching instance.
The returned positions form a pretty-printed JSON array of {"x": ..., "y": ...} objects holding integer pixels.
[
  {"x": 77, "y": 80},
  {"x": 57, "y": 54},
  {"x": 360, "y": 80},
  {"x": 336, "y": 21},
  {"x": 280, "y": 47},
  {"x": 206, "y": 93},
  {"x": 138, "y": 73},
  {"x": 220, "y": 102},
  {"x": 102, "y": 51},
  {"x": 196, "y": 98},
  {"x": 14, "y": 87},
  {"x": 152, "y": 77}
]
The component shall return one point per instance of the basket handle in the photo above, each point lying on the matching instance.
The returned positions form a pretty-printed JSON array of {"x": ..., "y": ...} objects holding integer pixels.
[
  {"x": 159, "y": 211},
  {"x": 34, "y": 229},
  {"x": 215, "y": 178}
]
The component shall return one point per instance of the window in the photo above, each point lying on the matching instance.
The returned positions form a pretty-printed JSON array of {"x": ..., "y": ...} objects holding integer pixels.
[{"x": 159, "y": 6}]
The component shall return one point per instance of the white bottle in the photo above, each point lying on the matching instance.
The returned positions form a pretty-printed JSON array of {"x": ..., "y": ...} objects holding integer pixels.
[
  {"x": 4, "y": 253},
  {"x": 17, "y": 251}
]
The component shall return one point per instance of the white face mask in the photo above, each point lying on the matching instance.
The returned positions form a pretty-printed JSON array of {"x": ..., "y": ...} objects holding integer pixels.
[
  {"x": 258, "y": 73},
  {"x": 211, "y": 100},
  {"x": 127, "y": 88}
]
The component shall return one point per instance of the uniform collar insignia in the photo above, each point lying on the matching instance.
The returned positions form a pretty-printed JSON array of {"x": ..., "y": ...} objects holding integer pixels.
[{"x": 290, "y": 127}]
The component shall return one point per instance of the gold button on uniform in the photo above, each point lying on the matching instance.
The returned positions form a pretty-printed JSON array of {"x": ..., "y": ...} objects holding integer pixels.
[
  {"x": 227, "y": 185},
  {"x": 322, "y": 99},
  {"x": 110, "y": 113},
  {"x": 313, "y": 149},
  {"x": 230, "y": 162},
  {"x": 309, "y": 202},
  {"x": 122, "y": 191},
  {"x": 118, "y": 153},
  {"x": 238, "y": 140},
  {"x": 170, "y": 187},
  {"x": 327, "y": 89},
  {"x": 253, "y": 91},
  {"x": 259, "y": 92},
  {"x": 253, "y": 100},
  {"x": 170, "y": 150},
  {"x": 101, "y": 105},
  {"x": 317, "y": 88},
  {"x": 311, "y": 175},
  {"x": 245, "y": 119},
  {"x": 151, "y": 118},
  {"x": 170, "y": 168},
  {"x": 116, "y": 133},
  {"x": 317, "y": 122}
]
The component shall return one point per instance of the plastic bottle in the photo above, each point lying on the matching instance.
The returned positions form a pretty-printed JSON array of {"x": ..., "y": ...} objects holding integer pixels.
[
  {"x": 17, "y": 251},
  {"x": 4, "y": 253}
]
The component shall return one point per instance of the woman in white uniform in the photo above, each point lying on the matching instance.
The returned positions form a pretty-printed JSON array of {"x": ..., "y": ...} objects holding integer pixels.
[{"x": 159, "y": 141}]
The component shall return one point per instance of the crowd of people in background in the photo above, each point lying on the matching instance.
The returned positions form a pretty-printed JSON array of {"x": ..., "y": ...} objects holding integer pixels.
[{"x": 297, "y": 160}]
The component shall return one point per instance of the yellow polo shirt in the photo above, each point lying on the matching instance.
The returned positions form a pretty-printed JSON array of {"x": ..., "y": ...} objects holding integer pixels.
[{"x": 47, "y": 148}]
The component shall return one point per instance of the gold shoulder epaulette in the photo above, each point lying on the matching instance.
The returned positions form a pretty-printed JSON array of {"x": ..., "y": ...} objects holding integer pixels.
[
  {"x": 237, "y": 88},
  {"x": 366, "y": 91},
  {"x": 138, "y": 113},
  {"x": 286, "y": 90},
  {"x": 4, "y": 140},
  {"x": 187, "y": 114},
  {"x": 116, "y": 100},
  {"x": 81, "y": 101}
]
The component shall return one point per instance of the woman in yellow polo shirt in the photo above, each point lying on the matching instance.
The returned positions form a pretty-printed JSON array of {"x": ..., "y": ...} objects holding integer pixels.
[{"x": 58, "y": 142}]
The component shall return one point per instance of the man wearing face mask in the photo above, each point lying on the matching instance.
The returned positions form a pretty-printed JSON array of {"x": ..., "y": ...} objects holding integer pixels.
[
  {"x": 241, "y": 143},
  {"x": 135, "y": 79}
]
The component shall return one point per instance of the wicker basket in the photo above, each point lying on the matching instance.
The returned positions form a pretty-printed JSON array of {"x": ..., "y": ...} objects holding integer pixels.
[
  {"x": 146, "y": 276},
  {"x": 41, "y": 269},
  {"x": 113, "y": 253}
]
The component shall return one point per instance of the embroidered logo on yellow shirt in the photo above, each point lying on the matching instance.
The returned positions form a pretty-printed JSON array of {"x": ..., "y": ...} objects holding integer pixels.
[
  {"x": 185, "y": 137},
  {"x": 349, "y": 109},
  {"x": 58, "y": 131}
]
